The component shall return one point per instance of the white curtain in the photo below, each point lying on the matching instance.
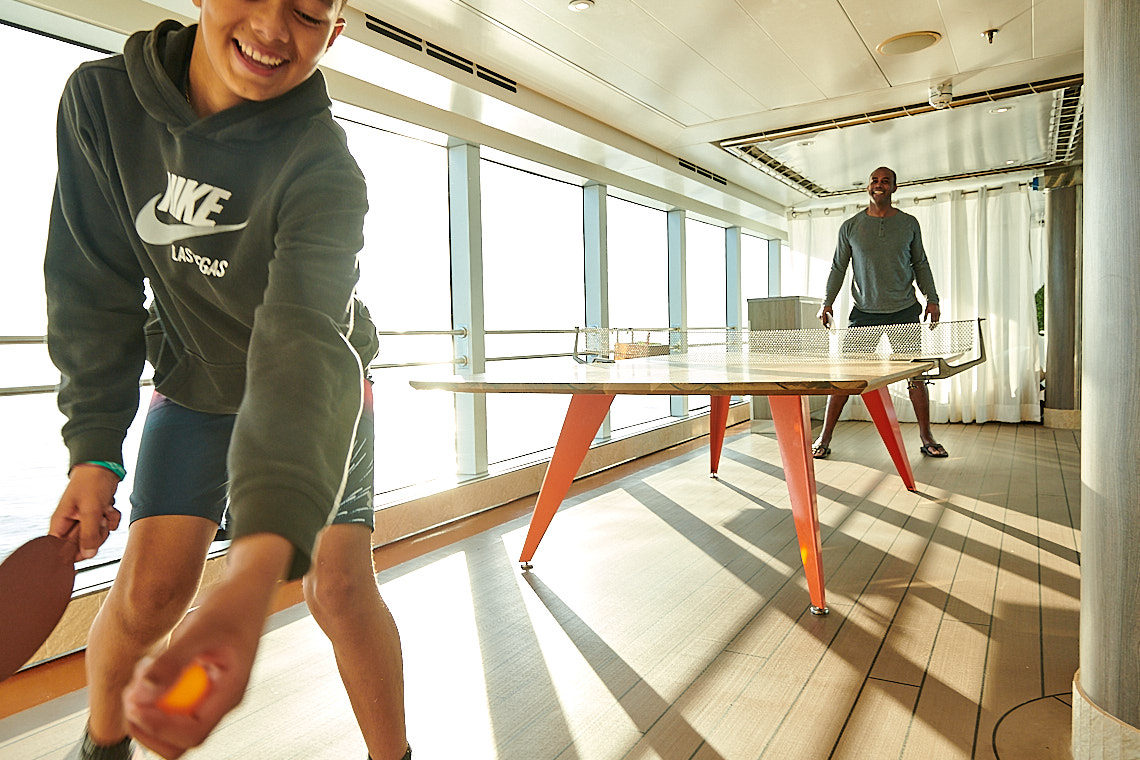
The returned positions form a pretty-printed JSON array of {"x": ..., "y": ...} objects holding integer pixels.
[{"x": 984, "y": 248}]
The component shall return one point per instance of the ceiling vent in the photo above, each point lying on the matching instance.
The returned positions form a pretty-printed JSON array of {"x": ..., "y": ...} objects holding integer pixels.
[
  {"x": 439, "y": 53},
  {"x": 1065, "y": 124},
  {"x": 701, "y": 171}
]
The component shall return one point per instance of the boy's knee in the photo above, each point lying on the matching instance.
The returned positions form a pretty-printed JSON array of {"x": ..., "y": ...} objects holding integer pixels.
[
  {"x": 332, "y": 589},
  {"x": 146, "y": 605}
]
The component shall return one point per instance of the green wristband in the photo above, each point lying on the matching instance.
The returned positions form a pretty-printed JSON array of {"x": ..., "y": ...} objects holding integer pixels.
[{"x": 115, "y": 467}]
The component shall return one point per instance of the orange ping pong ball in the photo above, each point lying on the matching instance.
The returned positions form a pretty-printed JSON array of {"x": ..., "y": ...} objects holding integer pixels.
[{"x": 187, "y": 692}]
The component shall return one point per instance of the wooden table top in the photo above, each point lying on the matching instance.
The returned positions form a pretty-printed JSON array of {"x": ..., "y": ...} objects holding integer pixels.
[{"x": 676, "y": 375}]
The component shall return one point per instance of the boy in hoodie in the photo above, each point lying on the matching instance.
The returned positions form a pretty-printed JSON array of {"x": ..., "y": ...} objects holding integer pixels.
[{"x": 205, "y": 162}]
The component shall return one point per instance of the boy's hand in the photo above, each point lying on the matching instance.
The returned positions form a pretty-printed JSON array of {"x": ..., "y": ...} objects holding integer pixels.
[
  {"x": 222, "y": 636},
  {"x": 225, "y": 650},
  {"x": 825, "y": 315},
  {"x": 89, "y": 500}
]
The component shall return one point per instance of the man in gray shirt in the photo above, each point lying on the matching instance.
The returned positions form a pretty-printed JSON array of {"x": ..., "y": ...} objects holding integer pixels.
[{"x": 883, "y": 245}]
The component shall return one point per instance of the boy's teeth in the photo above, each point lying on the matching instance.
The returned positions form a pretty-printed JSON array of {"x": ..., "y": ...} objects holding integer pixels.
[{"x": 262, "y": 59}]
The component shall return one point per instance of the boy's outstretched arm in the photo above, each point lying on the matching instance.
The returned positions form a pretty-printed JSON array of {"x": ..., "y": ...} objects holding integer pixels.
[{"x": 222, "y": 635}]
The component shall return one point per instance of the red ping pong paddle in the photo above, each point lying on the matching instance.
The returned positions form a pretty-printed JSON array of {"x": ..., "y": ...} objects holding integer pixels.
[{"x": 36, "y": 582}]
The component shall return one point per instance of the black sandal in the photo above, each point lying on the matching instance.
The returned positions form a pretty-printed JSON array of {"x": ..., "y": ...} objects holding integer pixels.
[
  {"x": 934, "y": 450},
  {"x": 819, "y": 451}
]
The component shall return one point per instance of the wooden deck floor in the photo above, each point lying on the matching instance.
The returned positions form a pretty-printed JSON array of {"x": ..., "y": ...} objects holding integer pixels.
[{"x": 667, "y": 617}]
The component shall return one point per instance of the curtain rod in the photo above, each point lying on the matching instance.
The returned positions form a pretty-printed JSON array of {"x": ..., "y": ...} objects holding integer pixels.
[{"x": 915, "y": 201}]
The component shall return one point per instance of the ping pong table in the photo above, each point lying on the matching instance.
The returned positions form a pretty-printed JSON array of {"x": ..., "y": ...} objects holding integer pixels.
[{"x": 786, "y": 366}]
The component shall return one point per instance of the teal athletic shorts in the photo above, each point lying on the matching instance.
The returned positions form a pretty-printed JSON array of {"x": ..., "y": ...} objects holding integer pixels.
[{"x": 181, "y": 467}]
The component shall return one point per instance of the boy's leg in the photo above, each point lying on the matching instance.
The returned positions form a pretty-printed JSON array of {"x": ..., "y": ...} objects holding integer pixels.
[
  {"x": 342, "y": 594},
  {"x": 176, "y": 505},
  {"x": 156, "y": 582}
]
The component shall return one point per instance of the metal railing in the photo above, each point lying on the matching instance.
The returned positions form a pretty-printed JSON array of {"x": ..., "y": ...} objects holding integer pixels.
[
  {"x": 456, "y": 361},
  {"x": 22, "y": 340}
]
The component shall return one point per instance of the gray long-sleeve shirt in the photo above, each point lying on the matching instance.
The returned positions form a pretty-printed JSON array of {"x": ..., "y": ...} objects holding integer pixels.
[{"x": 887, "y": 259}]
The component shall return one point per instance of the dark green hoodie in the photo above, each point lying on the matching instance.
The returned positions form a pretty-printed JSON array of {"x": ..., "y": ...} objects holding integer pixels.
[{"x": 247, "y": 225}]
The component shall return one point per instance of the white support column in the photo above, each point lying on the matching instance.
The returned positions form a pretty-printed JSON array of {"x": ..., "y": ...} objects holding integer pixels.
[
  {"x": 1106, "y": 689},
  {"x": 597, "y": 255},
  {"x": 678, "y": 306},
  {"x": 733, "y": 309},
  {"x": 774, "y": 267},
  {"x": 467, "y": 303},
  {"x": 596, "y": 267}
]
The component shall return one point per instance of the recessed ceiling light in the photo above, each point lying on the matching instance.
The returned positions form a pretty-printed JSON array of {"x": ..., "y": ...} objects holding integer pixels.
[
  {"x": 580, "y": 5},
  {"x": 1001, "y": 109},
  {"x": 910, "y": 42}
]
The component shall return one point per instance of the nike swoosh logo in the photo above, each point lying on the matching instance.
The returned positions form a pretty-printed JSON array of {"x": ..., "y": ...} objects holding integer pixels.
[{"x": 155, "y": 232}]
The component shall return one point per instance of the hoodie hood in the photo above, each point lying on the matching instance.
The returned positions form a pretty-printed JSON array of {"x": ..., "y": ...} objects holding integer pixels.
[{"x": 158, "y": 64}]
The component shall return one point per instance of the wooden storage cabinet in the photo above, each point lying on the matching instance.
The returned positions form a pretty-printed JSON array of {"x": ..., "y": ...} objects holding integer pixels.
[{"x": 783, "y": 313}]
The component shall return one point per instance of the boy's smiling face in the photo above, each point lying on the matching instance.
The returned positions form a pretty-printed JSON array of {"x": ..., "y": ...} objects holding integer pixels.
[{"x": 257, "y": 49}]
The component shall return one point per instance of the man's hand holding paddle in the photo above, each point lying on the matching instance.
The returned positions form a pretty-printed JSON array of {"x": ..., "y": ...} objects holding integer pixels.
[{"x": 167, "y": 710}]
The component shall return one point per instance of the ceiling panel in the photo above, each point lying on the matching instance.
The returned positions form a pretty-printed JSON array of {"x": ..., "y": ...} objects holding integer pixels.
[
  {"x": 934, "y": 65},
  {"x": 547, "y": 54},
  {"x": 747, "y": 57},
  {"x": 1058, "y": 27},
  {"x": 814, "y": 34},
  {"x": 619, "y": 37},
  {"x": 1013, "y": 40},
  {"x": 876, "y": 26}
]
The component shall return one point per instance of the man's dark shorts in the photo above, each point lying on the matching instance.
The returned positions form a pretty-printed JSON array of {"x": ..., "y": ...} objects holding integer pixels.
[
  {"x": 181, "y": 467},
  {"x": 909, "y": 315}
]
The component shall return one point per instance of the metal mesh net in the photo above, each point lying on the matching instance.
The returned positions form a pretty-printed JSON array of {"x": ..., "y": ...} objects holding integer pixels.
[{"x": 946, "y": 340}]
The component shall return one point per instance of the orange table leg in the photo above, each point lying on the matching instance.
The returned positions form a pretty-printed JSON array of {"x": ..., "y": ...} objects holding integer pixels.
[
  {"x": 887, "y": 423},
  {"x": 718, "y": 420},
  {"x": 793, "y": 434},
  {"x": 583, "y": 418}
]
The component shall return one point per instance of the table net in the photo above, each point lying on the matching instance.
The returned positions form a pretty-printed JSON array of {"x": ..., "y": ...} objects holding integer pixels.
[{"x": 907, "y": 342}]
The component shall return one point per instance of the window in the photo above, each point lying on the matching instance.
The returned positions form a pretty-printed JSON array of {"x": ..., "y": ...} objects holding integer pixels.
[
  {"x": 753, "y": 267},
  {"x": 405, "y": 280},
  {"x": 705, "y": 282},
  {"x": 33, "y": 464},
  {"x": 705, "y": 274},
  {"x": 533, "y": 279},
  {"x": 638, "y": 245}
]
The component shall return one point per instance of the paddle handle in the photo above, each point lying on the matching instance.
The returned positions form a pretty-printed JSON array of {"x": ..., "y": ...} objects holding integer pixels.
[{"x": 69, "y": 548}]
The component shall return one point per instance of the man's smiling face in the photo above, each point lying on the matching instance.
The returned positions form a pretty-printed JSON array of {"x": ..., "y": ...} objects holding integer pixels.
[
  {"x": 881, "y": 186},
  {"x": 258, "y": 49}
]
